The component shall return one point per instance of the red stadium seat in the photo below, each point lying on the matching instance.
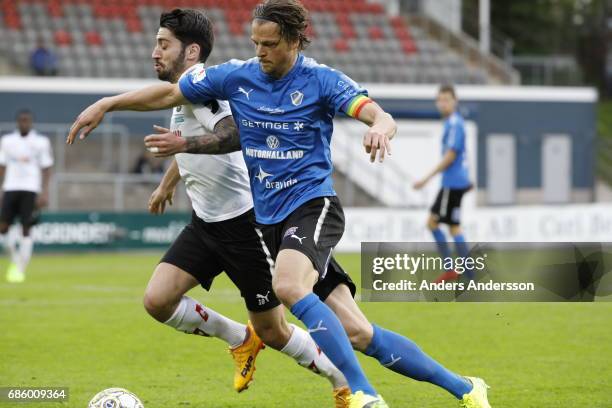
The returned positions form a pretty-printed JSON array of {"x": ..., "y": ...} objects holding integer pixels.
[
  {"x": 409, "y": 47},
  {"x": 55, "y": 8},
  {"x": 376, "y": 33},
  {"x": 341, "y": 45},
  {"x": 93, "y": 38},
  {"x": 345, "y": 26},
  {"x": 62, "y": 38},
  {"x": 133, "y": 25},
  {"x": 12, "y": 21}
]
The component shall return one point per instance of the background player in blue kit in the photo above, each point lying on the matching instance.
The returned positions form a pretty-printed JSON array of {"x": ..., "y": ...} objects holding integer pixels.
[
  {"x": 283, "y": 104},
  {"x": 455, "y": 180}
]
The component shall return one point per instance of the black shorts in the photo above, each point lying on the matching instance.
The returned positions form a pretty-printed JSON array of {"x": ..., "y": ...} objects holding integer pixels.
[
  {"x": 206, "y": 249},
  {"x": 447, "y": 207},
  {"x": 20, "y": 204},
  {"x": 313, "y": 229}
]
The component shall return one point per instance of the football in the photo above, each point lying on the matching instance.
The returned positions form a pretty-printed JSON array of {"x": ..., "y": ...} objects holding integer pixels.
[{"x": 115, "y": 398}]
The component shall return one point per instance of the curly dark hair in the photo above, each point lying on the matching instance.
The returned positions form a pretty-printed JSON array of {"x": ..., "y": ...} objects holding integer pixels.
[
  {"x": 290, "y": 15},
  {"x": 190, "y": 26}
]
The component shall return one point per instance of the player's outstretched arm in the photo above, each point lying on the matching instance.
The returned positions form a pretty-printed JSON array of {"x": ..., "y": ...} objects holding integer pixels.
[
  {"x": 382, "y": 129},
  {"x": 447, "y": 160},
  {"x": 224, "y": 139},
  {"x": 165, "y": 191},
  {"x": 155, "y": 97}
]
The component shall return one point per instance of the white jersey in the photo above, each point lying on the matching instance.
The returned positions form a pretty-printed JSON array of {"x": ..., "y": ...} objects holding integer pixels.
[
  {"x": 24, "y": 158},
  {"x": 218, "y": 185}
]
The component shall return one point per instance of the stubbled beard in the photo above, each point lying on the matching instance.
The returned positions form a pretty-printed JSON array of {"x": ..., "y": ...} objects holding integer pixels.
[{"x": 172, "y": 73}]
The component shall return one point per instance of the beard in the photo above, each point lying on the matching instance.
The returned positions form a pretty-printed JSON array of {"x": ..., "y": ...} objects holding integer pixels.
[{"x": 172, "y": 72}]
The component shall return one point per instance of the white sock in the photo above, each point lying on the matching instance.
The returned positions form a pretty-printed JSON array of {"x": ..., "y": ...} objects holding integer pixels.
[
  {"x": 10, "y": 243},
  {"x": 25, "y": 252},
  {"x": 302, "y": 348},
  {"x": 193, "y": 318}
]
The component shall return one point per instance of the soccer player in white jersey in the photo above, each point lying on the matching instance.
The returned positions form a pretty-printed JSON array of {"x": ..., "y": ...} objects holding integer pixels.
[
  {"x": 25, "y": 163},
  {"x": 221, "y": 236}
]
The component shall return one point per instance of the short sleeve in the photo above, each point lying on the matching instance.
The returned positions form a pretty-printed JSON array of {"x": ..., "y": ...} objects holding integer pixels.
[
  {"x": 339, "y": 90},
  {"x": 211, "y": 113},
  {"x": 46, "y": 154},
  {"x": 456, "y": 137},
  {"x": 200, "y": 85}
]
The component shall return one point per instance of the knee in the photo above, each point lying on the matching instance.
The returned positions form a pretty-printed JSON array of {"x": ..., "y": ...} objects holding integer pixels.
[
  {"x": 288, "y": 292},
  {"x": 432, "y": 224},
  {"x": 360, "y": 335},
  {"x": 455, "y": 230},
  {"x": 157, "y": 306}
]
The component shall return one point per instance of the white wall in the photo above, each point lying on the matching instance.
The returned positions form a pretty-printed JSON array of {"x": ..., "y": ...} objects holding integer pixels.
[
  {"x": 445, "y": 12},
  {"x": 569, "y": 223},
  {"x": 416, "y": 149}
]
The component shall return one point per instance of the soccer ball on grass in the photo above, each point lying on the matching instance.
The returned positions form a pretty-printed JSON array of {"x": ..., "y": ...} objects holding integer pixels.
[{"x": 115, "y": 398}]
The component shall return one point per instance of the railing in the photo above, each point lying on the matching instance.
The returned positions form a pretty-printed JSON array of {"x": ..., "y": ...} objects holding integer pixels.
[
  {"x": 388, "y": 184},
  {"x": 113, "y": 151},
  {"x": 549, "y": 70},
  {"x": 497, "y": 64}
]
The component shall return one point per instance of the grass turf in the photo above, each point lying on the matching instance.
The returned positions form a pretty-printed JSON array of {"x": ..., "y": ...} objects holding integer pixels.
[{"x": 78, "y": 322}]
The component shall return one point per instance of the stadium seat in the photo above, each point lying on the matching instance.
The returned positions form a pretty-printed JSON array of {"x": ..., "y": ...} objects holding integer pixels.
[
  {"x": 341, "y": 45},
  {"x": 347, "y": 33},
  {"x": 62, "y": 38}
]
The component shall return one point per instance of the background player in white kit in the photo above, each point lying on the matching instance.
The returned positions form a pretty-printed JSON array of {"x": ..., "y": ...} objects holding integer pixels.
[
  {"x": 221, "y": 236},
  {"x": 25, "y": 164}
]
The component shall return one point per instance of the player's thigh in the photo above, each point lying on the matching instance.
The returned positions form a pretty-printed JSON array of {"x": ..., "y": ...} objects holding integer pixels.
[
  {"x": 310, "y": 232},
  {"x": 168, "y": 284},
  {"x": 294, "y": 276},
  {"x": 188, "y": 261},
  {"x": 9, "y": 210},
  {"x": 432, "y": 221},
  {"x": 271, "y": 326},
  {"x": 355, "y": 323},
  {"x": 27, "y": 207},
  {"x": 241, "y": 255}
]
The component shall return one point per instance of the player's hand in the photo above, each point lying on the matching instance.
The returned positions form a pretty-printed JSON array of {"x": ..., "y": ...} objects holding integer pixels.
[
  {"x": 164, "y": 143},
  {"x": 376, "y": 142},
  {"x": 88, "y": 120},
  {"x": 419, "y": 184},
  {"x": 158, "y": 200},
  {"x": 42, "y": 200}
]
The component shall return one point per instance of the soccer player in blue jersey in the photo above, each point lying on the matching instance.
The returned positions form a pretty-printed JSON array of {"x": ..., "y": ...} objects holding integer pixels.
[
  {"x": 283, "y": 104},
  {"x": 455, "y": 180}
]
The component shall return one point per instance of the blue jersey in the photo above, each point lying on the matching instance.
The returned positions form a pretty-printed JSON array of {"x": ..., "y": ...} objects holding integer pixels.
[
  {"x": 456, "y": 175},
  {"x": 285, "y": 126}
]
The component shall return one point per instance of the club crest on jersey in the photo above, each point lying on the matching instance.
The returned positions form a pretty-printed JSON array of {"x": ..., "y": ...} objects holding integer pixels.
[
  {"x": 296, "y": 98},
  {"x": 272, "y": 142},
  {"x": 291, "y": 231},
  {"x": 198, "y": 74}
]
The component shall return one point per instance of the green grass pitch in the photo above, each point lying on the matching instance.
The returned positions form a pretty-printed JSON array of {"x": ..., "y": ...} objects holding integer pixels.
[{"x": 78, "y": 322}]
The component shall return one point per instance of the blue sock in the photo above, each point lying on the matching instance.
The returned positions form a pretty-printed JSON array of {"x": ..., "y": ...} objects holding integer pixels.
[
  {"x": 327, "y": 331},
  {"x": 463, "y": 251},
  {"x": 462, "y": 248},
  {"x": 441, "y": 242},
  {"x": 399, "y": 354}
]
